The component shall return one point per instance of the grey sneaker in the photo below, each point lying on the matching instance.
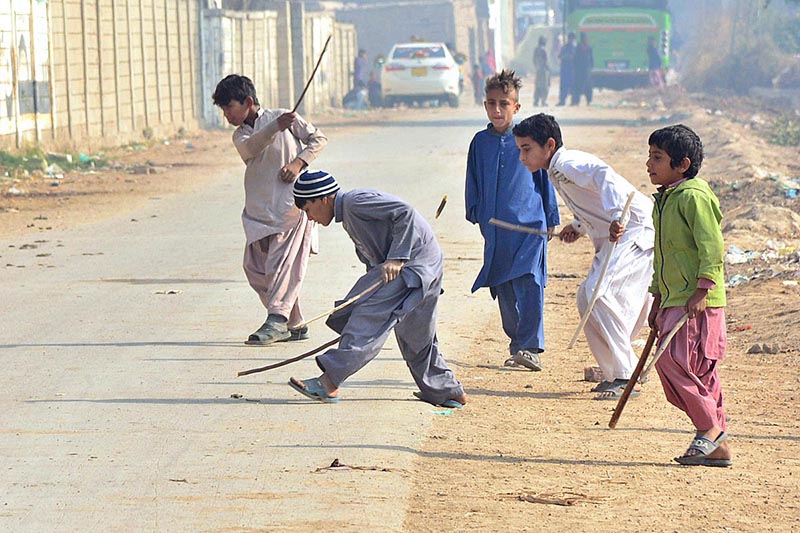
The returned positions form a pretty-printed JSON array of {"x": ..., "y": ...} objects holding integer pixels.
[{"x": 529, "y": 360}]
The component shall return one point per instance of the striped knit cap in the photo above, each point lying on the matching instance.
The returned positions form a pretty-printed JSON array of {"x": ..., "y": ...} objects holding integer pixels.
[{"x": 313, "y": 184}]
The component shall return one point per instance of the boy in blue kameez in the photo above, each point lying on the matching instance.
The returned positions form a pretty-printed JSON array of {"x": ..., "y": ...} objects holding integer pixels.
[{"x": 499, "y": 186}]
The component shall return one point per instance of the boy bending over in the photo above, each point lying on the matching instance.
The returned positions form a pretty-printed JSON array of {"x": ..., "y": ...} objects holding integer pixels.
[
  {"x": 398, "y": 247},
  {"x": 596, "y": 195}
]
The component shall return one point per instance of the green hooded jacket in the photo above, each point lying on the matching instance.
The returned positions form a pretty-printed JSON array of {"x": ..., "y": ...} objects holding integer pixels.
[{"x": 688, "y": 244}]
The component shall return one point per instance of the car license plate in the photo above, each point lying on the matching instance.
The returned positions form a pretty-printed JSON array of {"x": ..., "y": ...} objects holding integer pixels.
[
  {"x": 419, "y": 71},
  {"x": 617, "y": 65}
]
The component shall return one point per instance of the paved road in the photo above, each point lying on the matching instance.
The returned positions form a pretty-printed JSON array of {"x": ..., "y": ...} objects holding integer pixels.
[{"x": 116, "y": 397}]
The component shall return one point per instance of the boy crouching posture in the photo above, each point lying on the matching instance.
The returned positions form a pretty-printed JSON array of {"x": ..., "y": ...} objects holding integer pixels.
[
  {"x": 689, "y": 279},
  {"x": 398, "y": 247},
  {"x": 596, "y": 195}
]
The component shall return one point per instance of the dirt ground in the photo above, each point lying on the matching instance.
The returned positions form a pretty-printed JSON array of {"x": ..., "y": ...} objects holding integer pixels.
[{"x": 532, "y": 451}]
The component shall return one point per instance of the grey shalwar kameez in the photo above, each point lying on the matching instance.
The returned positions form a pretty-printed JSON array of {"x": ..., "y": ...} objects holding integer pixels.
[{"x": 384, "y": 227}]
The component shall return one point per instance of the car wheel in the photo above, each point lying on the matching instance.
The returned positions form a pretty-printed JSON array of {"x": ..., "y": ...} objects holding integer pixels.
[{"x": 452, "y": 99}]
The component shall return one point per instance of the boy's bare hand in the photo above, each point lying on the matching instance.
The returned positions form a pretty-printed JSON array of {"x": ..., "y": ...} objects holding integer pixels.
[
  {"x": 285, "y": 120},
  {"x": 696, "y": 303},
  {"x": 291, "y": 170},
  {"x": 651, "y": 318},
  {"x": 551, "y": 230},
  {"x": 569, "y": 234},
  {"x": 615, "y": 231},
  {"x": 391, "y": 269}
]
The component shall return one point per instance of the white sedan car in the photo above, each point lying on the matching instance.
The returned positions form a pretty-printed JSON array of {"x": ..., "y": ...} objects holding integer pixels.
[{"x": 415, "y": 72}]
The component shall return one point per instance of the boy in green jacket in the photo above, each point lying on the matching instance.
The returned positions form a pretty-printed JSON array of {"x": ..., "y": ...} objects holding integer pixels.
[{"x": 688, "y": 279}]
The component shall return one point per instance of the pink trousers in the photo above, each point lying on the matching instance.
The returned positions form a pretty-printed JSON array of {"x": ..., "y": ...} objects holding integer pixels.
[
  {"x": 688, "y": 367},
  {"x": 275, "y": 267}
]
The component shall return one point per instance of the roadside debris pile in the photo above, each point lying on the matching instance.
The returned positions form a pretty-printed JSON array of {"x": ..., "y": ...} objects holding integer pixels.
[{"x": 777, "y": 260}]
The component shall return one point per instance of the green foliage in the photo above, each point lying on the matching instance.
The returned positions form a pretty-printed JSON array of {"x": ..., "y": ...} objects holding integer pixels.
[{"x": 785, "y": 130}]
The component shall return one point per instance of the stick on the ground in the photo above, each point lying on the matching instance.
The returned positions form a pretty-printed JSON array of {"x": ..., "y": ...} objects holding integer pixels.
[
  {"x": 441, "y": 206},
  {"x": 288, "y": 361},
  {"x": 651, "y": 339},
  {"x": 623, "y": 220},
  {"x": 342, "y": 305},
  {"x": 663, "y": 346},
  {"x": 313, "y": 72},
  {"x": 516, "y": 227}
]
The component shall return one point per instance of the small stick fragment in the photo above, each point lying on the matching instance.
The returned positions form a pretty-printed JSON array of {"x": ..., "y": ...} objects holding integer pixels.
[{"x": 441, "y": 206}]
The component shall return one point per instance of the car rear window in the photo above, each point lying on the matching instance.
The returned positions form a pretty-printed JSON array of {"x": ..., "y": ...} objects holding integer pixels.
[{"x": 418, "y": 52}]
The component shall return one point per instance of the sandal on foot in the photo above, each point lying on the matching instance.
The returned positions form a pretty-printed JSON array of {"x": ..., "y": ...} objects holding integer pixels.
[
  {"x": 510, "y": 363},
  {"x": 297, "y": 335},
  {"x": 450, "y": 404},
  {"x": 269, "y": 332},
  {"x": 614, "y": 391},
  {"x": 704, "y": 447},
  {"x": 602, "y": 386},
  {"x": 312, "y": 388},
  {"x": 529, "y": 360}
]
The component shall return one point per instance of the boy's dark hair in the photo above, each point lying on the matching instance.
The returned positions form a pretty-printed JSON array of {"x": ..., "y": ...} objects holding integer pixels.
[
  {"x": 234, "y": 87},
  {"x": 679, "y": 141},
  {"x": 300, "y": 202},
  {"x": 540, "y": 127},
  {"x": 505, "y": 80}
]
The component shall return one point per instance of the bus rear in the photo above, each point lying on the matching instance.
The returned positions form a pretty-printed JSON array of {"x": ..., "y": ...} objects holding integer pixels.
[{"x": 618, "y": 32}]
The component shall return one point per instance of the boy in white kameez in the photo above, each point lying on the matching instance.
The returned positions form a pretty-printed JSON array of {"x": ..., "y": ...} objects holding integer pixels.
[
  {"x": 279, "y": 236},
  {"x": 596, "y": 195},
  {"x": 399, "y": 248}
]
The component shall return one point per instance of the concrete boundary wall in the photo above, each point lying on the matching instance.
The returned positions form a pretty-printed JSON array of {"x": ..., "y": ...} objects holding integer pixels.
[{"x": 98, "y": 72}]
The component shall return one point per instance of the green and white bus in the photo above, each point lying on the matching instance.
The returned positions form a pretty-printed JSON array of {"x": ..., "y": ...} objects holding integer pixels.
[{"x": 618, "y": 31}]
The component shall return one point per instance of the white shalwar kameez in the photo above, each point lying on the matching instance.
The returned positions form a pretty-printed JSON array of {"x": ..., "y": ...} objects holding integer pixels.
[{"x": 596, "y": 195}]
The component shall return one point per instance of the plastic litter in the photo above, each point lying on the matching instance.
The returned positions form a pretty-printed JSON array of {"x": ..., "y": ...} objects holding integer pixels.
[{"x": 736, "y": 280}]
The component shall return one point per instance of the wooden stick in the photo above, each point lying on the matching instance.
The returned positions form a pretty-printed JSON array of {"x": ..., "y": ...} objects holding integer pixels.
[
  {"x": 441, "y": 207},
  {"x": 663, "y": 346},
  {"x": 288, "y": 361},
  {"x": 313, "y": 73},
  {"x": 516, "y": 227},
  {"x": 343, "y": 304},
  {"x": 596, "y": 293},
  {"x": 651, "y": 339}
]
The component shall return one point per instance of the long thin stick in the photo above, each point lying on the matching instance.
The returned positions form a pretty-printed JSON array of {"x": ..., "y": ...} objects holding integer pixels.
[
  {"x": 342, "y": 305},
  {"x": 313, "y": 72},
  {"x": 651, "y": 339},
  {"x": 288, "y": 361},
  {"x": 516, "y": 227},
  {"x": 596, "y": 293},
  {"x": 663, "y": 346}
]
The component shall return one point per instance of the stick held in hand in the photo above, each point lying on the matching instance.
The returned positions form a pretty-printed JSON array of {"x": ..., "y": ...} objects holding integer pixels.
[
  {"x": 651, "y": 339},
  {"x": 516, "y": 227},
  {"x": 289, "y": 361},
  {"x": 612, "y": 246},
  {"x": 313, "y": 73}
]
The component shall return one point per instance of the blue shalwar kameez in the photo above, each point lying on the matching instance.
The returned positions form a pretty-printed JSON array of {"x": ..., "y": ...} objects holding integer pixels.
[
  {"x": 514, "y": 263},
  {"x": 384, "y": 227}
]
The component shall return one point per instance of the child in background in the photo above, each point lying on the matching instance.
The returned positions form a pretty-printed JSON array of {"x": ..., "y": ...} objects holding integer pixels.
[
  {"x": 499, "y": 186},
  {"x": 276, "y": 145},
  {"x": 689, "y": 278},
  {"x": 596, "y": 195}
]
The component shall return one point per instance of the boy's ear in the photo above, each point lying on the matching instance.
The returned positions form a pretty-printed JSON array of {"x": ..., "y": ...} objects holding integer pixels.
[
  {"x": 685, "y": 164},
  {"x": 550, "y": 144},
  {"x": 249, "y": 102}
]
